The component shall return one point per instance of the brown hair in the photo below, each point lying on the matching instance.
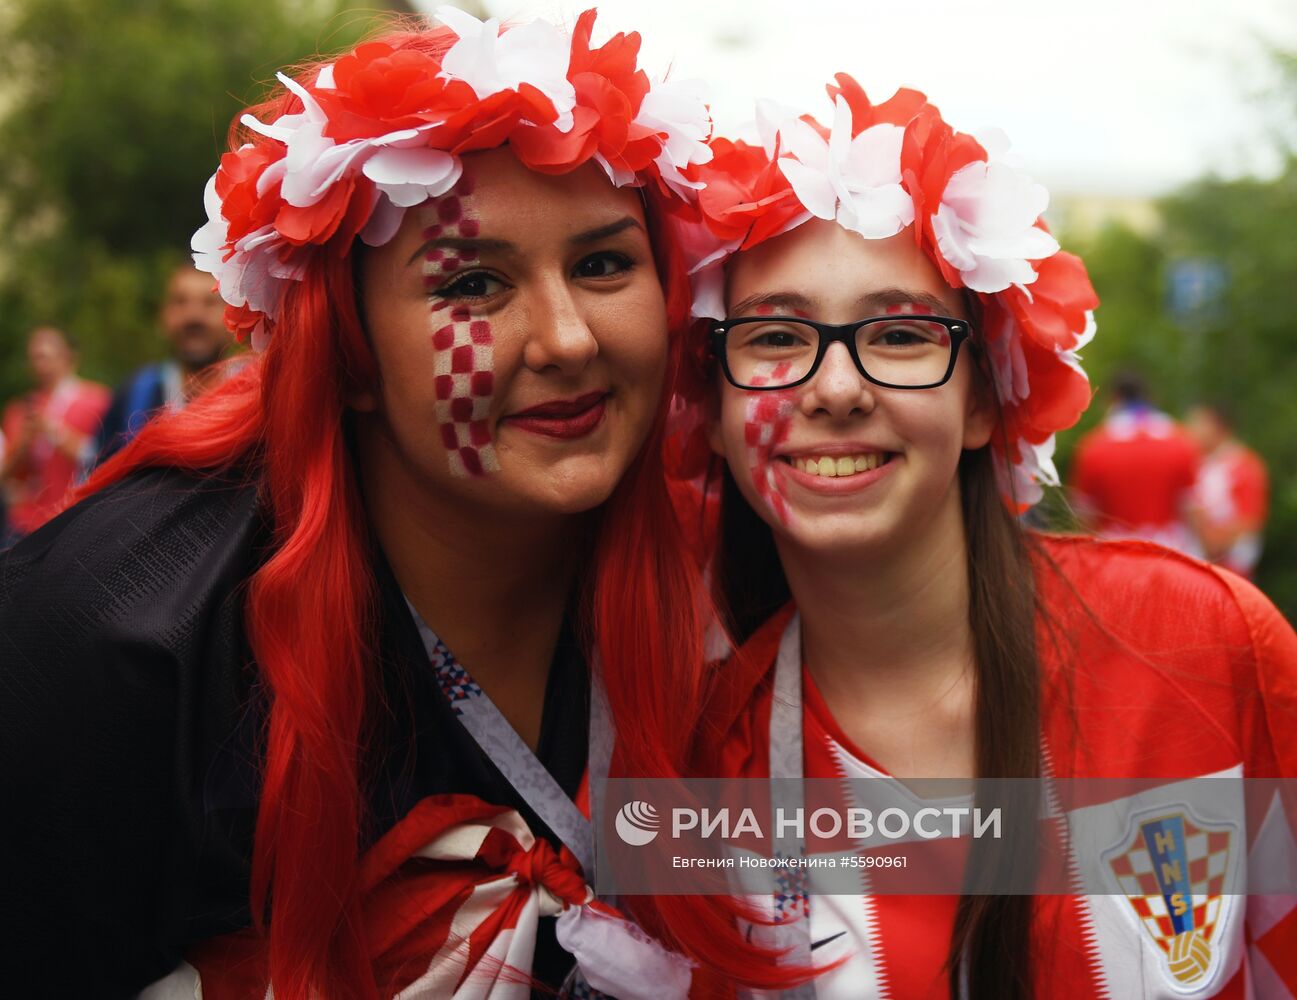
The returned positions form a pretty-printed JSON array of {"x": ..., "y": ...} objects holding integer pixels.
[{"x": 990, "y": 944}]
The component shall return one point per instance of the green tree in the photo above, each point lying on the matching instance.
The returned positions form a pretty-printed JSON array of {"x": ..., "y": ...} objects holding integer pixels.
[
  {"x": 113, "y": 113},
  {"x": 1244, "y": 353}
]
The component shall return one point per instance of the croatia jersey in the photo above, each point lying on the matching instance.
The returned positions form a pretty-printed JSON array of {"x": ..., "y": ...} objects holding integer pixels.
[{"x": 1165, "y": 669}]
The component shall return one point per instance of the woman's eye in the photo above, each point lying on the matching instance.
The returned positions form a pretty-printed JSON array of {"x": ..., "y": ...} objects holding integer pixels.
[
  {"x": 473, "y": 285},
  {"x": 774, "y": 338},
  {"x": 777, "y": 338},
  {"x": 603, "y": 265},
  {"x": 903, "y": 336}
]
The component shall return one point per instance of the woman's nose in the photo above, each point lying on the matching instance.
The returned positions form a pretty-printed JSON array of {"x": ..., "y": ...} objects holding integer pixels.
[
  {"x": 838, "y": 388},
  {"x": 558, "y": 334}
]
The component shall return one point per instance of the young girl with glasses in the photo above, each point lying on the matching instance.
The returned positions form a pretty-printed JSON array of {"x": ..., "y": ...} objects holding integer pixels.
[{"x": 893, "y": 345}]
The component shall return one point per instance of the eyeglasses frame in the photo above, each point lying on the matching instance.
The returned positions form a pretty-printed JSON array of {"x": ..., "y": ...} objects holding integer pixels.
[{"x": 832, "y": 333}]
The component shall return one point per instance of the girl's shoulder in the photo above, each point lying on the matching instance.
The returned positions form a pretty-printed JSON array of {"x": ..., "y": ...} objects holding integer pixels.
[
  {"x": 1150, "y": 634},
  {"x": 1140, "y": 584}
]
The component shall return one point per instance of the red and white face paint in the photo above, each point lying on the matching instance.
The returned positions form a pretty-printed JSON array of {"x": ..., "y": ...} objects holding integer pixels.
[
  {"x": 464, "y": 368},
  {"x": 766, "y": 419}
]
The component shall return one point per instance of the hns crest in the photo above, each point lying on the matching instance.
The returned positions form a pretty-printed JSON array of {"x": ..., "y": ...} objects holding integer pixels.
[{"x": 1172, "y": 870}]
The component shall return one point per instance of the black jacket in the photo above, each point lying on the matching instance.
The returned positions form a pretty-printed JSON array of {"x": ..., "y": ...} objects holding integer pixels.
[{"x": 130, "y": 721}]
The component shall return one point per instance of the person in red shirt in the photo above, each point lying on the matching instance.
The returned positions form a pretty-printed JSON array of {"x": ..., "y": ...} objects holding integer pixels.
[
  {"x": 895, "y": 342},
  {"x": 1134, "y": 474},
  {"x": 1231, "y": 494},
  {"x": 49, "y": 431}
]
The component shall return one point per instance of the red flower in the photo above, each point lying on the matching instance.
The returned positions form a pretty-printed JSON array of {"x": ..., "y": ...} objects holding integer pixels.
[
  {"x": 379, "y": 89},
  {"x": 898, "y": 109},
  {"x": 609, "y": 93},
  {"x": 343, "y": 210},
  {"x": 241, "y": 320},
  {"x": 236, "y": 183},
  {"x": 1052, "y": 310},
  {"x": 613, "y": 62},
  {"x": 747, "y": 197},
  {"x": 1059, "y": 394}
]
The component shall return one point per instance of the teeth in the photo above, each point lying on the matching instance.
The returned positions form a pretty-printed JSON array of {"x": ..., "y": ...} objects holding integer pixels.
[{"x": 845, "y": 465}]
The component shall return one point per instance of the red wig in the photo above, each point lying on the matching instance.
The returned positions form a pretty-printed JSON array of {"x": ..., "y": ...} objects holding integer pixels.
[{"x": 311, "y": 620}]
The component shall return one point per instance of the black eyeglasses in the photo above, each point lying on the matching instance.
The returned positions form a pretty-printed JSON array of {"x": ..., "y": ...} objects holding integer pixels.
[{"x": 896, "y": 352}]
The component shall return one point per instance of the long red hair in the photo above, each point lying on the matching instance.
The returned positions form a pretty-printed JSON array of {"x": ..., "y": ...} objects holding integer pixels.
[{"x": 311, "y": 619}]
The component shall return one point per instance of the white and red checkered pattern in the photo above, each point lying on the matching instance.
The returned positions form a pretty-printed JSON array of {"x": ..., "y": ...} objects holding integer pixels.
[
  {"x": 464, "y": 368},
  {"x": 765, "y": 425},
  {"x": 1208, "y": 853}
]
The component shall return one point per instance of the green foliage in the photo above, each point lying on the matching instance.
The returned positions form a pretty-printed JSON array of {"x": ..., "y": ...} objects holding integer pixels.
[
  {"x": 113, "y": 114},
  {"x": 1245, "y": 354}
]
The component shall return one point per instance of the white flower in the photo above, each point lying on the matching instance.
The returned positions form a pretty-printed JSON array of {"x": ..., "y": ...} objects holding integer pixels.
[
  {"x": 986, "y": 225},
  {"x": 1072, "y": 356},
  {"x": 398, "y": 163},
  {"x": 208, "y": 244},
  {"x": 855, "y": 181},
  {"x": 410, "y": 175},
  {"x": 771, "y": 118},
  {"x": 404, "y": 172},
  {"x": 704, "y": 255},
  {"x": 488, "y": 61},
  {"x": 1024, "y": 480},
  {"x": 678, "y": 108},
  {"x": 707, "y": 281}
]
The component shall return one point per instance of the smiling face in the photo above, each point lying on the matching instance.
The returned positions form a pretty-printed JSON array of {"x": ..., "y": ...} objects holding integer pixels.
[
  {"x": 520, "y": 333},
  {"x": 837, "y": 463}
]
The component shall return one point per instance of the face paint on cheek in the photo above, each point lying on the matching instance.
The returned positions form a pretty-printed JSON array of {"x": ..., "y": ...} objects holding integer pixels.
[
  {"x": 766, "y": 420},
  {"x": 464, "y": 367}
]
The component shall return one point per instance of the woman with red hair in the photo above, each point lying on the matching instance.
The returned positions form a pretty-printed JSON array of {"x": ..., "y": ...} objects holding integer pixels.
[
  {"x": 298, "y": 692},
  {"x": 893, "y": 345}
]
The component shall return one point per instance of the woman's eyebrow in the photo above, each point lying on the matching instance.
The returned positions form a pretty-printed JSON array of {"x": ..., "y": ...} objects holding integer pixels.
[
  {"x": 776, "y": 300},
  {"x": 605, "y": 231},
  {"x": 483, "y": 244},
  {"x": 880, "y": 300},
  {"x": 476, "y": 245}
]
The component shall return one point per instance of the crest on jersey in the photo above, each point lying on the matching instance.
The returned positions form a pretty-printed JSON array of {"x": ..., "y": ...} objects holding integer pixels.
[{"x": 1172, "y": 869}]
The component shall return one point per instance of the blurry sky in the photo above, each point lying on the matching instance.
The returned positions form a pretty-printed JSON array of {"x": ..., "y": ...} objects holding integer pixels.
[{"x": 1122, "y": 97}]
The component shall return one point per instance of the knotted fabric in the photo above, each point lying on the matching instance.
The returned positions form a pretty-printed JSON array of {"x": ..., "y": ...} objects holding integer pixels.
[{"x": 451, "y": 897}]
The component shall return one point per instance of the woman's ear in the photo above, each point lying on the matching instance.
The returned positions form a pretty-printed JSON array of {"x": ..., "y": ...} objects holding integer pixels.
[{"x": 983, "y": 408}]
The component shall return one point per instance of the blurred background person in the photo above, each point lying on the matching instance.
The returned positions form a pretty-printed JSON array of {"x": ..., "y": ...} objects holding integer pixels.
[
  {"x": 50, "y": 431},
  {"x": 193, "y": 323},
  {"x": 1231, "y": 495},
  {"x": 1133, "y": 475}
]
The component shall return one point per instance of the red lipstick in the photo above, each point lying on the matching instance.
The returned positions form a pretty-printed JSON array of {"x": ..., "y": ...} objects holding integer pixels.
[{"x": 562, "y": 418}]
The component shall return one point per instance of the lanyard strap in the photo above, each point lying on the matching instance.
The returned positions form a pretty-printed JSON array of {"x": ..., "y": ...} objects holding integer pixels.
[
  {"x": 787, "y": 767},
  {"x": 507, "y": 751}
]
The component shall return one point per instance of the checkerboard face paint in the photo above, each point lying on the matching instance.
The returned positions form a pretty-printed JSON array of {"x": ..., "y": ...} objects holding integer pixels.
[
  {"x": 464, "y": 364},
  {"x": 766, "y": 419}
]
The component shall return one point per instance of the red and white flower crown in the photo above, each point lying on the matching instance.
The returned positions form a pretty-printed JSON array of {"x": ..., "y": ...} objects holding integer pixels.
[
  {"x": 381, "y": 130},
  {"x": 880, "y": 169}
]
